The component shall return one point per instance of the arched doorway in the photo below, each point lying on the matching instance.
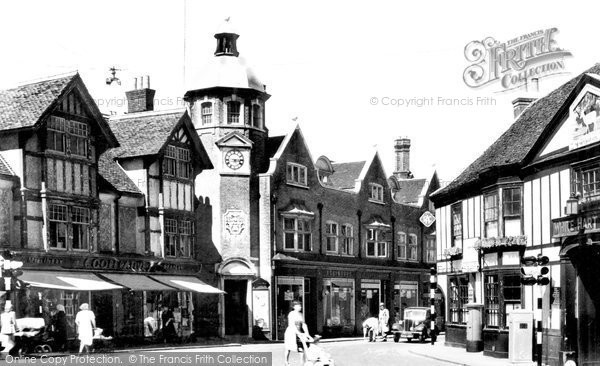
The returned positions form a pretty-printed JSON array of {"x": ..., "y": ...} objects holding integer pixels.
[{"x": 236, "y": 280}]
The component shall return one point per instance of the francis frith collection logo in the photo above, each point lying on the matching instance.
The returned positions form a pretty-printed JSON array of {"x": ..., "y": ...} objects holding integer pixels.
[{"x": 512, "y": 63}]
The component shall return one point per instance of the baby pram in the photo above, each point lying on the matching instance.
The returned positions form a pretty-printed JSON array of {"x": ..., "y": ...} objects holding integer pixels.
[
  {"x": 315, "y": 355},
  {"x": 33, "y": 336}
]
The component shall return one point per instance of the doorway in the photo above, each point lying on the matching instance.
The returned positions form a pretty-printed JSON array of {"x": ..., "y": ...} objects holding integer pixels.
[
  {"x": 236, "y": 309},
  {"x": 102, "y": 305}
]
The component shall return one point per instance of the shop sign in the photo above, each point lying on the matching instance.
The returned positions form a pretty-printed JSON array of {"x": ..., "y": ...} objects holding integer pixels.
[
  {"x": 572, "y": 226},
  {"x": 335, "y": 273},
  {"x": 427, "y": 219},
  {"x": 587, "y": 118}
]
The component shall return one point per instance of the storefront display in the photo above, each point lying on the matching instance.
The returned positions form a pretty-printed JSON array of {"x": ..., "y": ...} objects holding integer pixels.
[
  {"x": 289, "y": 289},
  {"x": 370, "y": 297},
  {"x": 338, "y": 305}
]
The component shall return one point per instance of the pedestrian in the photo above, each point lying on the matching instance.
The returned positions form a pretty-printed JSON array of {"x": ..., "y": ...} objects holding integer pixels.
[
  {"x": 86, "y": 324},
  {"x": 384, "y": 319},
  {"x": 370, "y": 326},
  {"x": 168, "y": 324},
  {"x": 296, "y": 334},
  {"x": 59, "y": 321},
  {"x": 8, "y": 327}
]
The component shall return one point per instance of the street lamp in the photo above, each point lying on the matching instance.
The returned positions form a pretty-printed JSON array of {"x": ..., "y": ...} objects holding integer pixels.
[{"x": 572, "y": 206}]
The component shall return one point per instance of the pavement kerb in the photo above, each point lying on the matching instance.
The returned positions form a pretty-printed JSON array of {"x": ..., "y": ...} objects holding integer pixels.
[{"x": 437, "y": 358}]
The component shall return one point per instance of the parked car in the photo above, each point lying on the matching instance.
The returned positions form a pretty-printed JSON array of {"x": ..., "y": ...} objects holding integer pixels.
[{"x": 416, "y": 325}]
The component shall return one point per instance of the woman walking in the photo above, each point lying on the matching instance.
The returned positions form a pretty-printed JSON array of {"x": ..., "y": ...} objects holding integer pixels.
[
  {"x": 86, "y": 323},
  {"x": 8, "y": 327},
  {"x": 296, "y": 334}
]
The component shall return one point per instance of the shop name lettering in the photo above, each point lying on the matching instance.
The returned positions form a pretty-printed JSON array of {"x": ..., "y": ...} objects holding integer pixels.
[
  {"x": 132, "y": 265},
  {"x": 339, "y": 274},
  {"x": 574, "y": 226},
  {"x": 513, "y": 63}
]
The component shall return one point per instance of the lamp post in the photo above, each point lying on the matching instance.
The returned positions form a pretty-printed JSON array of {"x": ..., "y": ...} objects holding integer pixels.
[{"x": 572, "y": 207}]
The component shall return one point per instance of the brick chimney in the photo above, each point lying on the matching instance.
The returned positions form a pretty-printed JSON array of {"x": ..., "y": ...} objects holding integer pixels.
[
  {"x": 141, "y": 98},
  {"x": 520, "y": 104},
  {"x": 402, "y": 149}
]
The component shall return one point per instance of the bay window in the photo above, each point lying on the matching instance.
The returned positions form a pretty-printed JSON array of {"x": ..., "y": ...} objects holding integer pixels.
[
  {"x": 511, "y": 211},
  {"x": 502, "y": 295}
]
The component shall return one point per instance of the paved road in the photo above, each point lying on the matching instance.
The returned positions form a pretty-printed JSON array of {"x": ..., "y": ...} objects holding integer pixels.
[{"x": 348, "y": 353}]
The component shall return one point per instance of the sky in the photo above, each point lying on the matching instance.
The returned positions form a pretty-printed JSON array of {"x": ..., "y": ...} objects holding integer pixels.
[{"x": 335, "y": 67}]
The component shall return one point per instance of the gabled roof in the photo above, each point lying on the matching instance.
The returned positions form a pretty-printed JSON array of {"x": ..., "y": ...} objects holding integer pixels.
[
  {"x": 5, "y": 167},
  {"x": 148, "y": 133},
  {"x": 516, "y": 144},
  {"x": 272, "y": 145},
  {"x": 345, "y": 174},
  {"x": 114, "y": 175},
  {"x": 409, "y": 191},
  {"x": 26, "y": 105}
]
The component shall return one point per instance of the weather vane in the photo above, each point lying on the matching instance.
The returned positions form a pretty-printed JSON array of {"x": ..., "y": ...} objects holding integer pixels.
[{"x": 114, "y": 77}]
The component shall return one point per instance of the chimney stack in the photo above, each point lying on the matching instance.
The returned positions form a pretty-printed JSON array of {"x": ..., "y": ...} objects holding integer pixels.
[
  {"x": 402, "y": 149},
  {"x": 141, "y": 98},
  {"x": 520, "y": 104}
]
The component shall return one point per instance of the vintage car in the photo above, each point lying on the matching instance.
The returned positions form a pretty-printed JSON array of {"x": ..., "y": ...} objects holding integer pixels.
[{"x": 416, "y": 324}]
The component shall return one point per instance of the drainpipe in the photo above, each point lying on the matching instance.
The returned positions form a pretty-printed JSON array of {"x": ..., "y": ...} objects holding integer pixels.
[
  {"x": 320, "y": 208},
  {"x": 274, "y": 325},
  {"x": 394, "y": 254},
  {"x": 359, "y": 216},
  {"x": 44, "y": 196},
  {"x": 117, "y": 238}
]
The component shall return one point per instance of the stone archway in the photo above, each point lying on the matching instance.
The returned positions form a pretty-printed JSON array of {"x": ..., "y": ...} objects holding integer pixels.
[{"x": 236, "y": 275}]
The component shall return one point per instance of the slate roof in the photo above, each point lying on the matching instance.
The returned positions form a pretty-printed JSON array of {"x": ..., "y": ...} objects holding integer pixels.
[
  {"x": 143, "y": 134},
  {"x": 23, "y": 106},
  {"x": 112, "y": 172},
  {"x": 272, "y": 146},
  {"x": 345, "y": 174},
  {"x": 409, "y": 190},
  {"x": 515, "y": 144},
  {"x": 5, "y": 167}
]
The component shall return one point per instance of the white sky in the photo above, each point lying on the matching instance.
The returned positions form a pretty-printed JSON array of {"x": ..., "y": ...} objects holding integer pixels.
[{"x": 321, "y": 61}]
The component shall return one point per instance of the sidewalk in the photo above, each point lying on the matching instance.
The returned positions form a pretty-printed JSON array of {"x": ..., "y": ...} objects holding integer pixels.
[{"x": 457, "y": 356}]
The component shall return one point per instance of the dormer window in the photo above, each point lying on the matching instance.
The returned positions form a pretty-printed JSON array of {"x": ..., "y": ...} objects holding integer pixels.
[
  {"x": 233, "y": 112},
  {"x": 376, "y": 193},
  {"x": 296, "y": 174},
  {"x": 177, "y": 162},
  {"x": 206, "y": 112}
]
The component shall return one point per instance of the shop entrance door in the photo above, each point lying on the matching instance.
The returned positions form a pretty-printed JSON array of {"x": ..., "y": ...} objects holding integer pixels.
[
  {"x": 289, "y": 289},
  {"x": 102, "y": 306},
  {"x": 236, "y": 310}
]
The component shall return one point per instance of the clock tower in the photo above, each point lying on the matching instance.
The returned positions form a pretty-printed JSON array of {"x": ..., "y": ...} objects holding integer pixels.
[{"x": 227, "y": 104}]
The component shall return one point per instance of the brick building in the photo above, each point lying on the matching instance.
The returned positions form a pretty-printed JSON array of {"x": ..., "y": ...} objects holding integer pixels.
[{"x": 84, "y": 230}]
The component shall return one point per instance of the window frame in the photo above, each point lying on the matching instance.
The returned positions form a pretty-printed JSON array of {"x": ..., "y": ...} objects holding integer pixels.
[
  {"x": 456, "y": 225},
  {"x": 510, "y": 216},
  {"x": 257, "y": 115},
  {"x": 177, "y": 162},
  {"x": 298, "y": 232},
  {"x": 374, "y": 238},
  {"x": 458, "y": 299},
  {"x": 234, "y": 117},
  {"x": 74, "y": 136},
  {"x": 491, "y": 214},
  {"x": 76, "y": 220},
  {"x": 332, "y": 237},
  {"x": 431, "y": 250},
  {"x": 294, "y": 170},
  {"x": 376, "y": 193},
  {"x": 496, "y": 299},
  {"x": 347, "y": 241},
  {"x": 402, "y": 244},
  {"x": 206, "y": 113}
]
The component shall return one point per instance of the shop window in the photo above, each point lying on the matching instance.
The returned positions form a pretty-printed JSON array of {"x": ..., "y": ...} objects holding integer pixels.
[
  {"x": 376, "y": 193},
  {"x": 331, "y": 237},
  {"x": 456, "y": 224},
  {"x": 511, "y": 211},
  {"x": 297, "y": 234},
  {"x": 206, "y": 110},
  {"x": 502, "y": 294},
  {"x": 376, "y": 243},
  {"x": 296, "y": 174},
  {"x": 233, "y": 112},
  {"x": 405, "y": 295},
  {"x": 412, "y": 247},
  {"x": 459, "y": 297},
  {"x": 431, "y": 250},
  {"x": 370, "y": 297},
  {"x": 177, "y": 162},
  {"x": 401, "y": 245},
  {"x": 338, "y": 303},
  {"x": 347, "y": 239},
  {"x": 490, "y": 213},
  {"x": 289, "y": 289}
]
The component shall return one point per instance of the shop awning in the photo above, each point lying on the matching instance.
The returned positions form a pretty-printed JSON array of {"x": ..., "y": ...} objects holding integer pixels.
[
  {"x": 64, "y": 280},
  {"x": 136, "y": 282},
  {"x": 188, "y": 283}
]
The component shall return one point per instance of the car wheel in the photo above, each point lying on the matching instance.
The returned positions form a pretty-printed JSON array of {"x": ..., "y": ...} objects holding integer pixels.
[{"x": 396, "y": 338}]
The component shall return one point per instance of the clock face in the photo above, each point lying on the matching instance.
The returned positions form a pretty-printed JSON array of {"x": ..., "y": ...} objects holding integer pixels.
[{"x": 234, "y": 159}]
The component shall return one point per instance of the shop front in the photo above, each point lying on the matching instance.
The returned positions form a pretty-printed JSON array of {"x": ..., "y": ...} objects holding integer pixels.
[{"x": 126, "y": 304}]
